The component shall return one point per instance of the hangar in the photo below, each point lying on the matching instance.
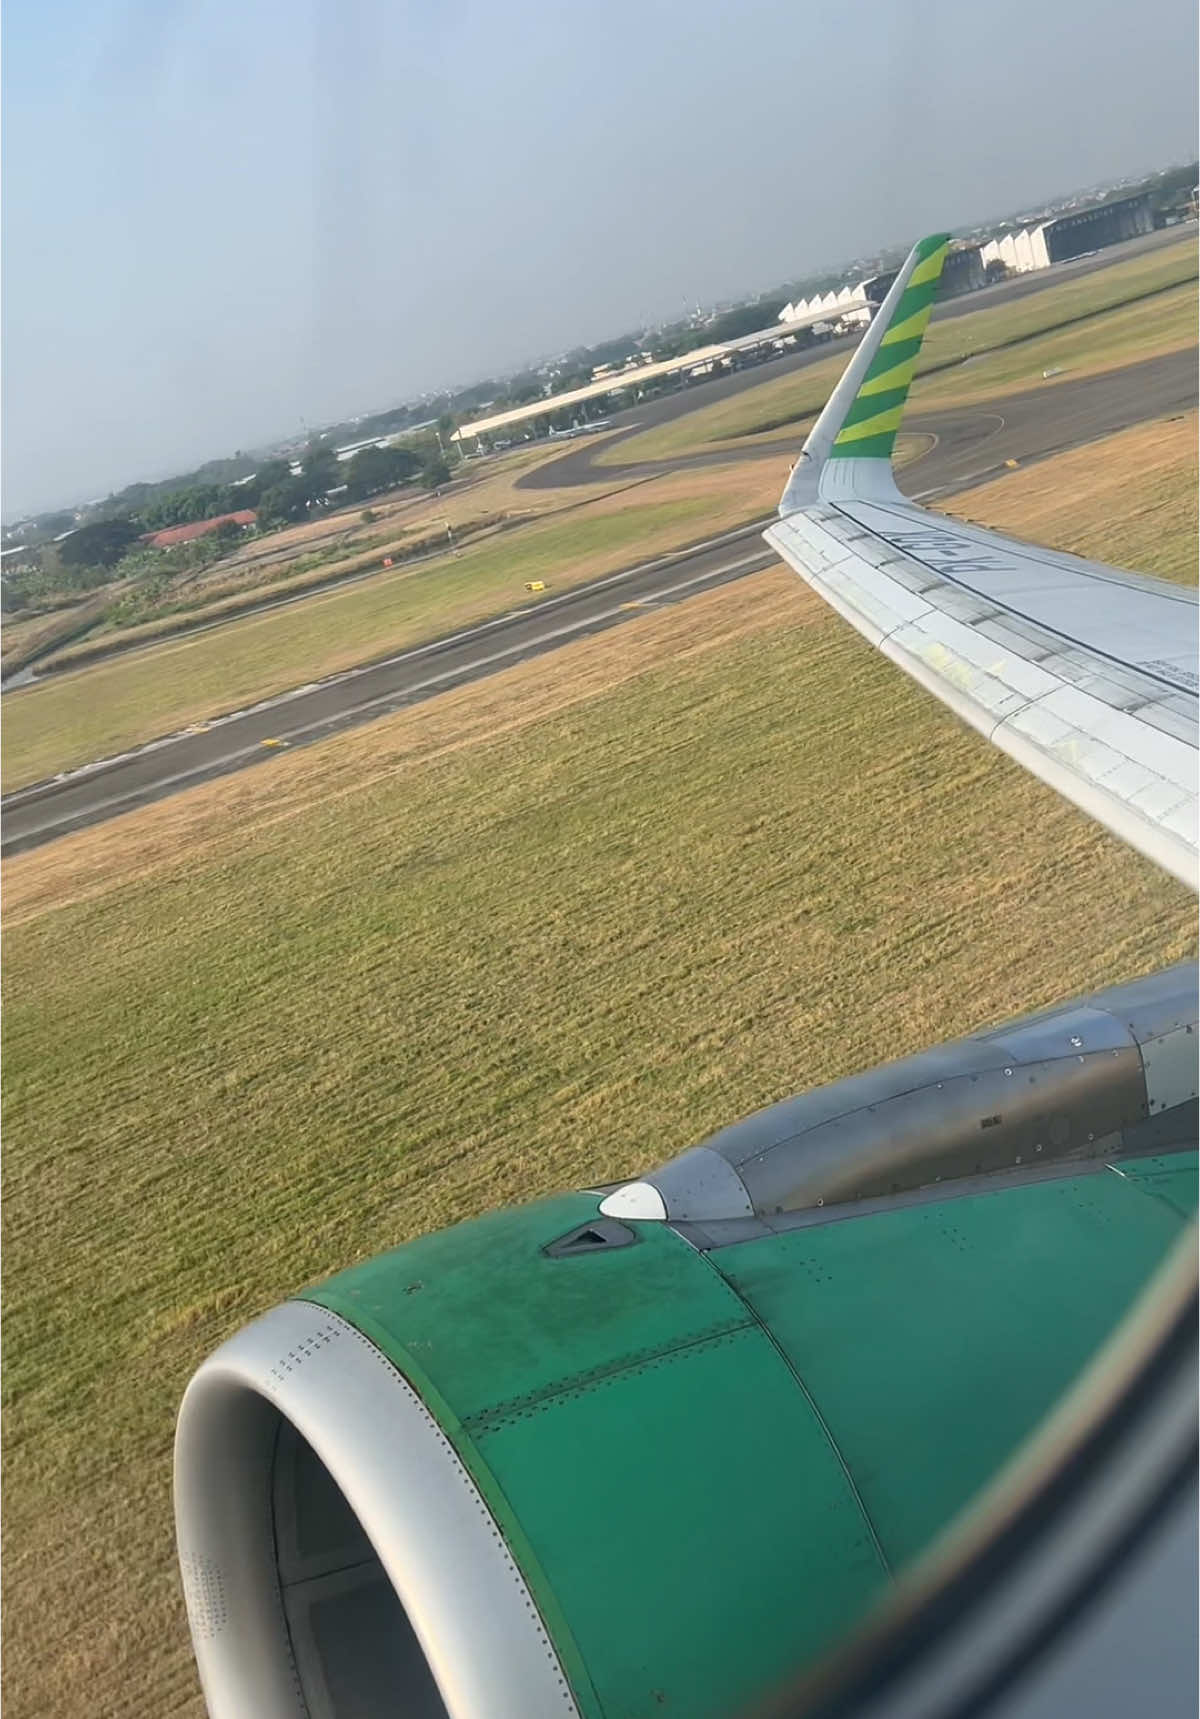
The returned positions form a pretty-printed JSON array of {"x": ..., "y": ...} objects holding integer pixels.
[
  {"x": 849, "y": 305},
  {"x": 963, "y": 271},
  {"x": 1073, "y": 235}
]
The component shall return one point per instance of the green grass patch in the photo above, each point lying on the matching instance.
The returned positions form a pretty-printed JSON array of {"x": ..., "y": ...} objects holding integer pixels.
[
  {"x": 1101, "y": 341},
  {"x": 200, "y": 607}
]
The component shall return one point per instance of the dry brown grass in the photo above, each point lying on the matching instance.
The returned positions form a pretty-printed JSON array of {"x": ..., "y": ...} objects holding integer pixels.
[
  {"x": 21, "y": 632},
  {"x": 24, "y": 639},
  {"x": 1081, "y": 501},
  {"x": 486, "y": 488},
  {"x": 301, "y": 558}
]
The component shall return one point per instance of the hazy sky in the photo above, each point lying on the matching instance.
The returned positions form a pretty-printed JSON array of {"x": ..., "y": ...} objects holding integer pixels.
[{"x": 221, "y": 218}]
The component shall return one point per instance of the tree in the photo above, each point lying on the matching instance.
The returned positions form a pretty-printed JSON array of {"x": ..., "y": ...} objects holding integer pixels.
[
  {"x": 100, "y": 544},
  {"x": 318, "y": 470},
  {"x": 373, "y": 470},
  {"x": 405, "y": 464},
  {"x": 284, "y": 502},
  {"x": 268, "y": 475},
  {"x": 566, "y": 380},
  {"x": 224, "y": 536},
  {"x": 49, "y": 525},
  {"x": 436, "y": 473},
  {"x": 182, "y": 506},
  {"x": 747, "y": 319}
]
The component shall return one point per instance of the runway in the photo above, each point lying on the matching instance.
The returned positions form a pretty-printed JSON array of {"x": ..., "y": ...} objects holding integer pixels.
[{"x": 967, "y": 446}]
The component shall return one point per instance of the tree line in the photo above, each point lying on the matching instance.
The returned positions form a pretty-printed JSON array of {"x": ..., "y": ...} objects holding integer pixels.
[
  {"x": 113, "y": 541},
  {"x": 280, "y": 496}
]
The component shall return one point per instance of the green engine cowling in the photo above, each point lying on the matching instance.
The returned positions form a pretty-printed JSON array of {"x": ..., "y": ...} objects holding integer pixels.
[
  {"x": 616, "y": 1433},
  {"x": 621, "y": 1478},
  {"x": 554, "y": 1461}
]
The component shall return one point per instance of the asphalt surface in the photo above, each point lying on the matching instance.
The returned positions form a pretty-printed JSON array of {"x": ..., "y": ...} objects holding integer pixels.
[
  {"x": 634, "y": 419},
  {"x": 968, "y": 445}
]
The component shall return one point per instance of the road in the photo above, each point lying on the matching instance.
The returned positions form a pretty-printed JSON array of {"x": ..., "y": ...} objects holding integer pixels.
[{"x": 967, "y": 446}]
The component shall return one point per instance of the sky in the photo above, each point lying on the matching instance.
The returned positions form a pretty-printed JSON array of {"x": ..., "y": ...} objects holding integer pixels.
[{"x": 223, "y": 222}]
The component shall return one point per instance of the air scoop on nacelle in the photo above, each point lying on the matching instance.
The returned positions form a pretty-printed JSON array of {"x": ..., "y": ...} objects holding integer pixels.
[{"x": 1111, "y": 1075}]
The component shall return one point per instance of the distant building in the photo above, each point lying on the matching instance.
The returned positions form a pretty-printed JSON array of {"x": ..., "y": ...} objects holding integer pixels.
[
  {"x": 1092, "y": 229},
  {"x": 848, "y": 305},
  {"x": 1073, "y": 235},
  {"x": 876, "y": 289},
  {"x": 1017, "y": 252},
  {"x": 962, "y": 271},
  {"x": 200, "y": 528}
]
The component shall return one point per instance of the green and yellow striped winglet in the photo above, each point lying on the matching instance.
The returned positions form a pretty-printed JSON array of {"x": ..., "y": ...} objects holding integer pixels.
[{"x": 869, "y": 428}]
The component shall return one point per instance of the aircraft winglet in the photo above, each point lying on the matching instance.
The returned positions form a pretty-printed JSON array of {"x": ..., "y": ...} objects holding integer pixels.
[
  {"x": 862, "y": 415},
  {"x": 1084, "y": 674}
]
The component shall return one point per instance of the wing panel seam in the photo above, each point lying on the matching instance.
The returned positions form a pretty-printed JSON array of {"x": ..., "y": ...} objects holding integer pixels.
[{"x": 1006, "y": 608}]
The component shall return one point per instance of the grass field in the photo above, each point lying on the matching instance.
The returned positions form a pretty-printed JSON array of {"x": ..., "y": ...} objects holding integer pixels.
[
  {"x": 301, "y": 558},
  {"x": 333, "y": 546},
  {"x": 546, "y": 929},
  {"x": 296, "y": 558},
  {"x": 1115, "y": 332},
  {"x": 112, "y": 705}
]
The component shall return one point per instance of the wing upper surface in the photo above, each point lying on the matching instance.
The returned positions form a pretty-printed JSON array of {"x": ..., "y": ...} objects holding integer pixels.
[{"x": 1084, "y": 674}]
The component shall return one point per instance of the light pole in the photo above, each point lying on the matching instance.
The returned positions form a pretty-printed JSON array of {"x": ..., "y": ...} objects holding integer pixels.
[{"x": 449, "y": 532}]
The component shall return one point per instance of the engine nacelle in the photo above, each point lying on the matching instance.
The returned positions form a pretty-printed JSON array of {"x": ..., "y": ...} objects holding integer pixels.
[
  {"x": 653, "y": 1452},
  {"x": 294, "y": 1436}
]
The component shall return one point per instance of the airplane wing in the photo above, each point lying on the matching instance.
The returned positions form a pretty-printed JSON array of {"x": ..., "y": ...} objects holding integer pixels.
[{"x": 1083, "y": 674}]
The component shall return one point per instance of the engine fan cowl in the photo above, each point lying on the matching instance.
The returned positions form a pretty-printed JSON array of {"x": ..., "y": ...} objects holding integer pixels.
[
  {"x": 507, "y": 1470},
  {"x": 292, "y": 1437}
]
